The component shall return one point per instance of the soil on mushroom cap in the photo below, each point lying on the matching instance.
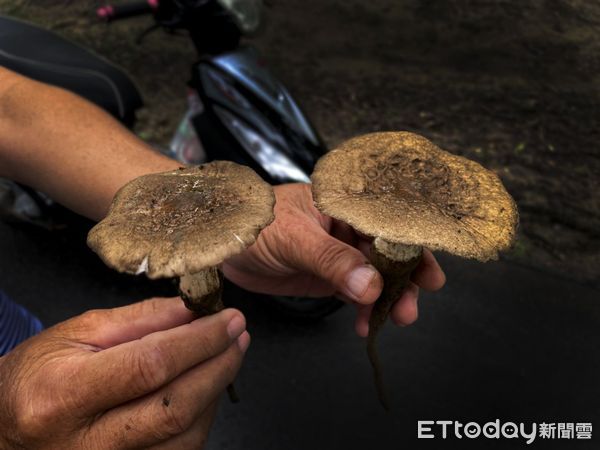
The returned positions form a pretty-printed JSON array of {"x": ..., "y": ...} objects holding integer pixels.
[
  {"x": 179, "y": 205},
  {"x": 424, "y": 179}
]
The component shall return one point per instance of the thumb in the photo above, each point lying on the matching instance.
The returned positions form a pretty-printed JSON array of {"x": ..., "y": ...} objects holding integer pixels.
[{"x": 339, "y": 264}]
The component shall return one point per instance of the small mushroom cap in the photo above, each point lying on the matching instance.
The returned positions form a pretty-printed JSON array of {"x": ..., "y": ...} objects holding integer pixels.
[
  {"x": 172, "y": 223},
  {"x": 401, "y": 187}
]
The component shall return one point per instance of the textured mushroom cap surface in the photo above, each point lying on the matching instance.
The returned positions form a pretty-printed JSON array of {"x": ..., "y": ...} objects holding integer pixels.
[
  {"x": 401, "y": 187},
  {"x": 172, "y": 223}
]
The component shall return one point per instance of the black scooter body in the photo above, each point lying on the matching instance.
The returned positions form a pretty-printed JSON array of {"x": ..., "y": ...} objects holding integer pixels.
[{"x": 47, "y": 57}]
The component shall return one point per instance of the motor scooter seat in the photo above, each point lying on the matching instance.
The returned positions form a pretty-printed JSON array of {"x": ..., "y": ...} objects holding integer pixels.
[{"x": 45, "y": 56}]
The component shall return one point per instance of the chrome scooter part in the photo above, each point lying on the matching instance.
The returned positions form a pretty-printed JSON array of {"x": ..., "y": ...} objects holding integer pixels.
[
  {"x": 260, "y": 116},
  {"x": 270, "y": 158},
  {"x": 244, "y": 66}
]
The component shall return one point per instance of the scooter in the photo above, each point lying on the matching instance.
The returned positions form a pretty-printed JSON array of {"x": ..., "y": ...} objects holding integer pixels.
[{"x": 237, "y": 111}]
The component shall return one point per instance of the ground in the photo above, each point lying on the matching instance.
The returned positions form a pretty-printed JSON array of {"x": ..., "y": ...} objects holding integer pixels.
[{"x": 513, "y": 85}]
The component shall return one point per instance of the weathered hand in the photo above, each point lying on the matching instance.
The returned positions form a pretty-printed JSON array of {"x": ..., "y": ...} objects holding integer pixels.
[
  {"x": 305, "y": 253},
  {"x": 140, "y": 376}
]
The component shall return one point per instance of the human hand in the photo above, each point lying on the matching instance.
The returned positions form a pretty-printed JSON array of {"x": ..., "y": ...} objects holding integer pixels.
[
  {"x": 306, "y": 253},
  {"x": 145, "y": 375}
]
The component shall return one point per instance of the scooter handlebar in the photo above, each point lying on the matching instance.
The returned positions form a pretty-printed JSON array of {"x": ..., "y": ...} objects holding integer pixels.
[{"x": 137, "y": 8}]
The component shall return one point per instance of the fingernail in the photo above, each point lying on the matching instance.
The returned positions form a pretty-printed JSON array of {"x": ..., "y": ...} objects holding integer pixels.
[
  {"x": 359, "y": 280},
  {"x": 415, "y": 314},
  {"x": 243, "y": 341},
  {"x": 236, "y": 327}
]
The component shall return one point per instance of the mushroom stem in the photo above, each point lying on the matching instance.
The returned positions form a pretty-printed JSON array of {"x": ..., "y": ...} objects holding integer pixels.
[
  {"x": 201, "y": 293},
  {"x": 395, "y": 262}
]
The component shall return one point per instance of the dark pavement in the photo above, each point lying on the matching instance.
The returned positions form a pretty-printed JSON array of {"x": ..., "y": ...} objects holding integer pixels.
[{"x": 500, "y": 341}]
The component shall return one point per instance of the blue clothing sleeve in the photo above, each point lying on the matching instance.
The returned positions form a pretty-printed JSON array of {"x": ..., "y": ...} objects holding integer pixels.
[{"x": 16, "y": 324}]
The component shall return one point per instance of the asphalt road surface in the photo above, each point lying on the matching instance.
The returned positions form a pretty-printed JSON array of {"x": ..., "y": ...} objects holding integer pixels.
[{"x": 500, "y": 341}]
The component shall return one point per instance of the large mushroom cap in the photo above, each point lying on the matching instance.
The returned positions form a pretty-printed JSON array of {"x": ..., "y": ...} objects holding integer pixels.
[
  {"x": 401, "y": 187},
  {"x": 172, "y": 223}
]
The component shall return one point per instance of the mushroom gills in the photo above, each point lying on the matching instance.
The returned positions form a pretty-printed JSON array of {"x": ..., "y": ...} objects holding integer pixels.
[
  {"x": 395, "y": 262},
  {"x": 201, "y": 293}
]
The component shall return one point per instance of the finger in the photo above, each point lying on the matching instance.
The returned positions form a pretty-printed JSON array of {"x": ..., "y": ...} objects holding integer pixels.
[
  {"x": 138, "y": 367},
  {"x": 105, "y": 328},
  {"x": 428, "y": 274},
  {"x": 405, "y": 310},
  {"x": 361, "y": 325},
  {"x": 343, "y": 266},
  {"x": 171, "y": 410},
  {"x": 195, "y": 437}
]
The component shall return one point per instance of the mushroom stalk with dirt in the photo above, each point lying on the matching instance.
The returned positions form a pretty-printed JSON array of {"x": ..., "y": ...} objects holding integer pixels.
[
  {"x": 183, "y": 224},
  {"x": 406, "y": 193}
]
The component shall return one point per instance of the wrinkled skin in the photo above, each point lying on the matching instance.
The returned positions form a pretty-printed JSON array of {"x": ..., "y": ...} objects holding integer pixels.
[
  {"x": 143, "y": 376},
  {"x": 305, "y": 253}
]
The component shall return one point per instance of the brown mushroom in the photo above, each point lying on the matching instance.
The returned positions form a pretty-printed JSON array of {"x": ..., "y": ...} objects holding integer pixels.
[
  {"x": 184, "y": 223},
  {"x": 407, "y": 193}
]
